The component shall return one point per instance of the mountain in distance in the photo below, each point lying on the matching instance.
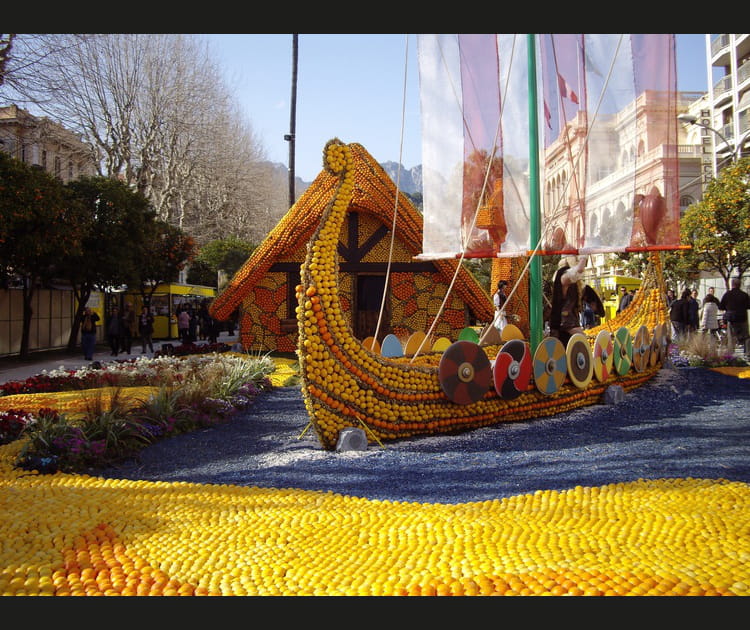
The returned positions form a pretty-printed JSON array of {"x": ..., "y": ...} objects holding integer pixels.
[{"x": 410, "y": 181}]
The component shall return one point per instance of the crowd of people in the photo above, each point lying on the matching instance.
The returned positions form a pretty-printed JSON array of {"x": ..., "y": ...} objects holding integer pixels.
[
  {"x": 124, "y": 326},
  {"x": 711, "y": 315},
  {"x": 575, "y": 307},
  {"x": 197, "y": 323}
]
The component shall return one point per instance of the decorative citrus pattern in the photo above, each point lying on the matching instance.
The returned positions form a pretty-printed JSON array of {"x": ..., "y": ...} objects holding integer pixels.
[
  {"x": 70, "y": 535},
  {"x": 261, "y": 295},
  {"x": 264, "y": 309},
  {"x": 649, "y": 306},
  {"x": 74, "y": 403},
  {"x": 344, "y": 384},
  {"x": 510, "y": 270}
]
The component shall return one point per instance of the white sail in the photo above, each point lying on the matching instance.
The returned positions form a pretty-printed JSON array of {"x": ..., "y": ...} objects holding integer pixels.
[{"x": 607, "y": 119}]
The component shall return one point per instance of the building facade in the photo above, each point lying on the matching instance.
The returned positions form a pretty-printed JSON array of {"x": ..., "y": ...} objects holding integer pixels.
[
  {"x": 720, "y": 135},
  {"x": 721, "y": 132},
  {"x": 728, "y": 59},
  {"x": 38, "y": 141},
  {"x": 611, "y": 197}
]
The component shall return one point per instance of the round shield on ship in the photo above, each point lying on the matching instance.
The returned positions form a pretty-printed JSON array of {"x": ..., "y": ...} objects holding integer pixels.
[
  {"x": 659, "y": 344},
  {"x": 623, "y": 356},
  {"x": 371, "y": 344},
  {"x": 414, "y": 342},
  {"x": 391, "y": 347},
  {"x": 641, "y": 349},
  {"x": 653, "y": 358},
  {"x": 441, "y": 344},
  {"x": 604, "y": 350},
  {"x": 465, "y": 372},
  {"x": 511, "y": 331},
  {"x": 580, "y": 360},
  {"x": 512, "y": 370},
  {"x": 550, "y": 365},
  {"x": 468, "y": 334}
]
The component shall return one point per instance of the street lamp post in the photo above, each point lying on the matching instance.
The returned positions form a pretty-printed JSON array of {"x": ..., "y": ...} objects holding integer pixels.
[{"x": 736, "y": 149}]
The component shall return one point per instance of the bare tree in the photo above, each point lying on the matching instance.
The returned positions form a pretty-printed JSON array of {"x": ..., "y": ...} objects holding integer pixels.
[
  {"x": 160, "y": 118},
  {"x": 239, "y": 194},
  {"x": 6, "y": 45}
]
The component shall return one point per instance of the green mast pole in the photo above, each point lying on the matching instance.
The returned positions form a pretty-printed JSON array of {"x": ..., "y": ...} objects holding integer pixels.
[{"x": 535, "y": 268}]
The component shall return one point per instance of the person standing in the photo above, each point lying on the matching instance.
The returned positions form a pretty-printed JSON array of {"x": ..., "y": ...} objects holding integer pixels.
[
  {"x": 693, "y": 308},
  {"x": 183, "y": 325},
  {"x": 146, "y": 329},
  {"x": 129, "y": 328},
  {"x": 567, "y": 291},
  {"x": 626, "y": 297},
  {"x": 192, "y": 325},
  {"x": 115, "y": 331},
  {"x": 671, "y": 297},
  {"x": 735, "y": 304},
  {"x": 204, "y": 322},
  {"x": 679, "y": 316},
  {"x": 710, "y": 316},
  {"x": 88, "y": 333},
  {"x": 499, "y": 299},
  {"x": 212, "y": 329}
]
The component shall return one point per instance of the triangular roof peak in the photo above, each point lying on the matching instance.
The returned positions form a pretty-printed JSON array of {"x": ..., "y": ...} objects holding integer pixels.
[{"x": 374, "y": 193}]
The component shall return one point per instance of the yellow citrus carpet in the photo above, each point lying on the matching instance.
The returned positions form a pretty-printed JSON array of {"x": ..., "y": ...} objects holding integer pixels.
[
  {"x": 739, "y": 372},
  {"x": 69, "y": 534}
]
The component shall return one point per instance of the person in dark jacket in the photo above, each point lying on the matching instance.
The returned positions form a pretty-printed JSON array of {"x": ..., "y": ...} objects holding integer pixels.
[
  {"x": 693, "y": 309},
  {"x": 679, "y": 315},
  {"x": 88, "y": 333},
  {"x": 567, "y": 291},
  {"x": 626, "y": 297},
  {"x": 146, "y": 329},
  {"x": 115, "y": 331},
  {"x": 671, "y": 297},
  {"x": 735, "y": 303},
  {"x": 130, "y": 329}
]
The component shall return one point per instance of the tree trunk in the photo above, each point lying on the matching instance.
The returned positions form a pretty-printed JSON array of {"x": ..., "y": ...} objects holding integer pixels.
[
  {"x": 82, "y": 297},
  {"x": 28, "y": 312}
]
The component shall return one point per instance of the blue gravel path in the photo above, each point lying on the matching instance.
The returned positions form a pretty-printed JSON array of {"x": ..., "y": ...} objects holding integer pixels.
[{"x": 687, "y": 422}]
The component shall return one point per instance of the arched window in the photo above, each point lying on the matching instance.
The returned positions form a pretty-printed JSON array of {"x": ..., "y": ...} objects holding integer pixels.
[{"x": 686, "y": 200}]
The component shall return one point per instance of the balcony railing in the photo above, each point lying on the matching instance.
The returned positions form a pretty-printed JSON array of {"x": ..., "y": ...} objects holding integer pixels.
[
  {"x": 723, "y": 85},
  {"x": 744, "y": 120},
  {"x": 743, "y": 72},
  {"x": 689, "y": 150},
  {"x": 728, "y": 132},
  {"x": 718, "y": 43}
]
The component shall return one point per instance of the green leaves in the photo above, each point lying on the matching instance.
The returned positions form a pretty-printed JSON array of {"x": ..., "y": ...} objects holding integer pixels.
[{"x": 717, "y": 228}]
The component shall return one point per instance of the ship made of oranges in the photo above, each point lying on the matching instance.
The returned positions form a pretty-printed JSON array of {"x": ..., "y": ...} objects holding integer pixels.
[{"x": 347, "y": 382}]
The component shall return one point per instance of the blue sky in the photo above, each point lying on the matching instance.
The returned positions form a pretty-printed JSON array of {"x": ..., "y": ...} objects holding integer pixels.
[{"x": 352, "y": 87}]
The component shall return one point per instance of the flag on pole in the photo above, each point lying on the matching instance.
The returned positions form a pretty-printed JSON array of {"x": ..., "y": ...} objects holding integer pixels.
[
  {"x": 547, "y": 115},
  {"x": 565, "y": 90}
]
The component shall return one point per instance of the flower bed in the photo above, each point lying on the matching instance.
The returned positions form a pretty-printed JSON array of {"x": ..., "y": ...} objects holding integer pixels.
[{"x": 116, "y": 410}]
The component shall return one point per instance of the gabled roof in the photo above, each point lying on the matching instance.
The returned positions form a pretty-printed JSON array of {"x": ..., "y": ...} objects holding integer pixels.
[{"x": 375, "y": 193}]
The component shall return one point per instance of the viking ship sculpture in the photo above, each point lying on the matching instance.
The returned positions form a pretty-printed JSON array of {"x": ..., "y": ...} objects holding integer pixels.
[{"x": 607, "y": 110}]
